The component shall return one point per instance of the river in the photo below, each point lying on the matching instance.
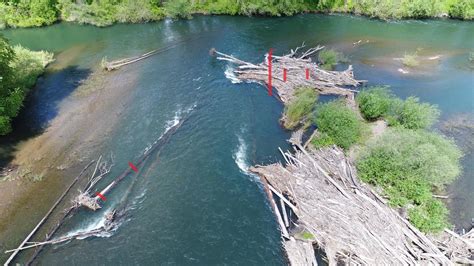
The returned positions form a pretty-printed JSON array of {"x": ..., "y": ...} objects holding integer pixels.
[{"x": 195, "y": 203}]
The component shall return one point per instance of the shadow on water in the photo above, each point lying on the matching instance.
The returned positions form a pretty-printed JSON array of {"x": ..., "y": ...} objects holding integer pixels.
[{"x": 41, "y": 107}]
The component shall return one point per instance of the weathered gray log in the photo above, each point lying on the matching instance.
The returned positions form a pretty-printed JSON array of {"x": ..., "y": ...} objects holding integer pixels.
[{"x": 48, "y": 213}]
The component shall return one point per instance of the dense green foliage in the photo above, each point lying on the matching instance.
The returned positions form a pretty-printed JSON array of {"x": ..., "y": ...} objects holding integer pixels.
[
  {"x": 19, "y": 69},
  {"x": 407, "y": 164},
  {"x": 338, "y": 124},
  {"x": 412, "y": 114},
  {"x": 378, "y": 102},
  {"x": 374, "y": 102},
  {"x": 328, "y": 58},
  {"x": 28, "y": 13},
  {"x": 300, "y": 107}
]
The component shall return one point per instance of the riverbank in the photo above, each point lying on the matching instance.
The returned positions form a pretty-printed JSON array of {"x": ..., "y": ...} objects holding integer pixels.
[
  {"x": 104, "y": 13},
  {"x": 72, "y": 139}
]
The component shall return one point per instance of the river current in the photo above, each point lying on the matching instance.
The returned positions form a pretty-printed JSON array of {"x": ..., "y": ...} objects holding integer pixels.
[{"x": 195, "y": 203}]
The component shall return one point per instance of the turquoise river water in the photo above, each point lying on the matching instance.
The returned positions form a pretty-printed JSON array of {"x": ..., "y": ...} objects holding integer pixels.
[{"x": 197, "y": 204}]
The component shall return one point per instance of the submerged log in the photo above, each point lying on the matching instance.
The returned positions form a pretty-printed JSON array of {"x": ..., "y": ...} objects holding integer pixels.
[
  {"x": 295, "y": 65},
  {"x": 85, "y": 199},
  {"x": 348, "y": 220},
  {"x": 55, "y": 205}
]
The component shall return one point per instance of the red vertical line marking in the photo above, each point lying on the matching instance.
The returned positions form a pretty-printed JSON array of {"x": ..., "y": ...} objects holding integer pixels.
[
  {"x": 101, "y": 196},
  {"x": 270, "y": 72},
  {"x": 307, "y": 73},
  {"x": 134, "y": 168},
  {"x": 284, "y": 74}
]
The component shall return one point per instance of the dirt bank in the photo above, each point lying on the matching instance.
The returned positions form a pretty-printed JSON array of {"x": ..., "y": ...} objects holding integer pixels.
[{"x": 72, "y": 139}]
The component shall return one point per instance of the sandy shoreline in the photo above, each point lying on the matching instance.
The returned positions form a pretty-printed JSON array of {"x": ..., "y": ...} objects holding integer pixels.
[{"x": 73, "y": 138}]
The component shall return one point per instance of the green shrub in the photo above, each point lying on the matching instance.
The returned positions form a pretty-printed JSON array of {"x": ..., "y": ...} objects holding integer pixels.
[
  {"x": 328, "y": 58},
  {"x": 374, "y": 102},
  {"x": 430, "y": 216},
  {"x": 412, "y": 114},
  {"x": 301, "y": 106},
  {"x": 178, "y": 9},
  {"x": 410, "y": 60},
  {"x": 28, "y": 65},
  {"x": 379, "y": 102},
  {"x": 323, "y": 140},
  {"x": 138, "y": 11},
  {"x": 407, "y": 164},
  {"x": 28, "y": 13},
  {"x": 339, "y": 122},
  {"x": 463, "y": 9},
  {"x": 19, "y": 69},
  {"x": 406, "y": 153}
]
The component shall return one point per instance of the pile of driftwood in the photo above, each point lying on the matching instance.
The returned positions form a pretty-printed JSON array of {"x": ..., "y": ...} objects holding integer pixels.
[
  {"x": 346, "y": 218},
  {"x": 295, "y": 64}
]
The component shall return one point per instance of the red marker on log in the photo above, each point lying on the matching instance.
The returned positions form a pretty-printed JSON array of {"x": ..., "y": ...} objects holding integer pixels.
[
  {"x": 101, "y": 196},
  {"x": 270, "y": 72},
  {"x": 134, "y": 168},
  {"x": 284, "y": 74},
  {"x": 307, "y": 73}
]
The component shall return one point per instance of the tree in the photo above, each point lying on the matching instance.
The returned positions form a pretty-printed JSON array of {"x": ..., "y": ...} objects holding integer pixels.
[{"x": 6, "y": 73}]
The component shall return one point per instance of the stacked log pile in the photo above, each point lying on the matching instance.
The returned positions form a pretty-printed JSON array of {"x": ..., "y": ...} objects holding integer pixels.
[
  {"x": 295, "y": 64},
  {"x": 347, "y": 219}
]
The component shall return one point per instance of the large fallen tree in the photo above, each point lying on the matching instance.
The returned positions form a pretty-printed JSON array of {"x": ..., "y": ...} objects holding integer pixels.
[{"x": 346, "y": 218}]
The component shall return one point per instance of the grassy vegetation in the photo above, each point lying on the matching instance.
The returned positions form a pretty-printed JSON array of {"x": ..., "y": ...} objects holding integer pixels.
[
  {"x": 307, "y": 235},
  {"x": 328, "y": 58},
  {"x": 338, "y": 124},
  {"x": 410, "y": 60},
  {"x": 19, "y": 69},
  {"x": 30, "y": 13},
  {"x": 300, "y": 107},
  {"x": 379, "y": 102},
  {"x": 408, "y": 164}
]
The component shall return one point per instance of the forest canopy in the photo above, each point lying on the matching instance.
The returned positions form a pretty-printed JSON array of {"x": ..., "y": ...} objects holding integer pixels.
[{"x": 30, "y": 13}]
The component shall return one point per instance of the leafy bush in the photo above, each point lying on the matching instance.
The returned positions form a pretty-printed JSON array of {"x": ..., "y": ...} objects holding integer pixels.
[
  {"x": 328, "y": 58},
  {"x": 374, "y": 102},
  {"x": 431, "y": 216},
  {"x": 19, "y": 69},
  {"x": 323, "y": 140},
  {"x": 301, "y": 106},
  {"x": 28, "y": 13},
  {"x": 28, "y": 65},
  {"x": 178, "y": 9},
  {"x": 339, "y": 123},
  {"x": 462, "y": 9},
  {"x": 412, "y": 114},
  {"x": 406, "y": 164},
  {"x": 379, "y": 102},
  {"x": 410, "y": 60},
  {"x": 138, "y": 11},
  {"x": 420, "y": 8}
]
